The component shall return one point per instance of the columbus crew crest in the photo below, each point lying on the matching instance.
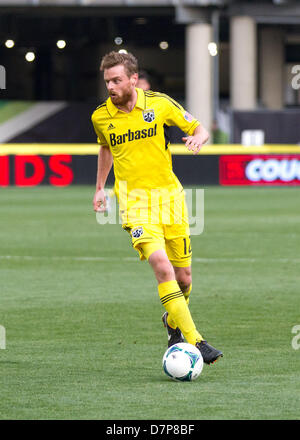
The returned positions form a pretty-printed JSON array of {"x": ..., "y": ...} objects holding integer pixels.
[
  {"x": 148, "y": 115},
  {"x": 137, "y": 232}
]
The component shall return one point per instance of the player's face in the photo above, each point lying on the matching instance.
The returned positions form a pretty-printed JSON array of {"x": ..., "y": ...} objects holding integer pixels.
[{"x": 120, "y": 86}]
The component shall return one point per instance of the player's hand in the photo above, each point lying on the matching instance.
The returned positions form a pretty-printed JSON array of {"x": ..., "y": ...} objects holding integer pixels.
[
  {"x": 99, "y": 201},
  {"x": 193, "y": 143}
]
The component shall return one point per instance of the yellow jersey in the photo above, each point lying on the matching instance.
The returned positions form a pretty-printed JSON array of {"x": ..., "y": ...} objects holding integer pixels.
[{"x": 139, "y": 143}]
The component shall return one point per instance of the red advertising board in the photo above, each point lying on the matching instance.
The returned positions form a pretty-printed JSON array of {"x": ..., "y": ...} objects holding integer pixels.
[
  {"x": 263, "y": 169},
  {"x": 32, "y": 170}
]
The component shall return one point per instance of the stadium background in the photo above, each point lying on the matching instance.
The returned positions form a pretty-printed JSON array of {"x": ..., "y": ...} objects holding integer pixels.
[
  {"x": 230, "y": 63},
  {"x": 233, "y": 64}
]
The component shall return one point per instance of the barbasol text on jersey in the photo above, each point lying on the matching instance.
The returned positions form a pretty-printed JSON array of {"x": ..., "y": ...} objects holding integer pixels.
[{"x": 131, "y": 135}]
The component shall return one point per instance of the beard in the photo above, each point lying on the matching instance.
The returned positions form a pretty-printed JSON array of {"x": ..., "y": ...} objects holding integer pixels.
[{"x": 121, "y": 99}]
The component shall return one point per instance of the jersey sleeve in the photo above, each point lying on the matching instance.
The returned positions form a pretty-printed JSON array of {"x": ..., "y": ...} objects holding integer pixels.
[
  {"x": 177, "y": 115},
  {"x": 100, "y": 137}
]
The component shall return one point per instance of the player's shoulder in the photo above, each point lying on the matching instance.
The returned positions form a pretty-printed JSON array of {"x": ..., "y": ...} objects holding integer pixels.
[
  {"x": 101, "y": 111},
  {"x": 162, "y": 97}
]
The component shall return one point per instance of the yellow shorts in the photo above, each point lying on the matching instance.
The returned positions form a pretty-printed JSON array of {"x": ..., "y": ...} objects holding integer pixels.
[{"x": 163, "y": 227}]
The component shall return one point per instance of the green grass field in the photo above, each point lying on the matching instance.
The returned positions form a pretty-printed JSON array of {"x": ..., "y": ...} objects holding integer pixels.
[{"x": 84, "y": 338}]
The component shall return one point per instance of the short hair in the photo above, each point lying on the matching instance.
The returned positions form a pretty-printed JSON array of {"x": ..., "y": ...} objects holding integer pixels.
[{"x": 127, "y": 60}]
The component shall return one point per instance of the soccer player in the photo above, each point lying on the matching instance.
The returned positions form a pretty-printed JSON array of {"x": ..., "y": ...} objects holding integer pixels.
[{"x": 131, "y": 128}]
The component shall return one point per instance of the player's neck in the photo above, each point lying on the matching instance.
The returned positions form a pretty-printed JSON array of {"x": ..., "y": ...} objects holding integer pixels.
[{"x": 130, "y": 104}]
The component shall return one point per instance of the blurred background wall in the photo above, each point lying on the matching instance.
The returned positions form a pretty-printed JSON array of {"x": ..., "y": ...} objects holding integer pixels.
[{"x": 215, "y": 57}]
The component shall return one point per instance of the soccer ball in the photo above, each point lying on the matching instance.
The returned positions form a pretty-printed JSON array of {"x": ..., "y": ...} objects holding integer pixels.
[{"x": 182, "y": 362}]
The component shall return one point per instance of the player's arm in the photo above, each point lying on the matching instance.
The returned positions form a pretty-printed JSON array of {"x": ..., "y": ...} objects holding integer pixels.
[
  {"x": 176, "y": 115},
  {"x": 197, "y": 139},
  {"x": 105, "y": 161}
]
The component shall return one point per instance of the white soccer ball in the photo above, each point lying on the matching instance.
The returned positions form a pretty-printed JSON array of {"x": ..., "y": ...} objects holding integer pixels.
[{"x": 182, "y": 362}]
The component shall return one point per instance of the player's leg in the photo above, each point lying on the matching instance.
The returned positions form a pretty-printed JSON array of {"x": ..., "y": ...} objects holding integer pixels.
[
  {"x": 162, "y": 268},
  {"x": 149, "y": 242},
  {"x": 160, "y": 264},
  {"x": 178, "y": 247},
  {"x": 171, "y": 295},
  {"x": 179, "y": 252},
  {"x": 184, "y": 279}
]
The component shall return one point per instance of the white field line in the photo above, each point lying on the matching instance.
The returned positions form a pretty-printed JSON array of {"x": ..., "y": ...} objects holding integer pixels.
[{"x": 195, "y": 259}]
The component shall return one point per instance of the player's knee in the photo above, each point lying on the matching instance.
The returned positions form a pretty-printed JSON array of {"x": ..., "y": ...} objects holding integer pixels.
[
  {"x": 162, "y": 267},
  {"x": 164, "y": 272},
  {"x": 184, "y": 279}
]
